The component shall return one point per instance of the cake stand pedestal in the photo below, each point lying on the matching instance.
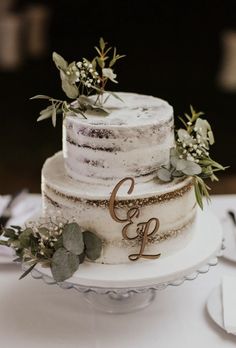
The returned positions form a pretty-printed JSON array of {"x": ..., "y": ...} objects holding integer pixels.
[{"x": 133, "y": 286}]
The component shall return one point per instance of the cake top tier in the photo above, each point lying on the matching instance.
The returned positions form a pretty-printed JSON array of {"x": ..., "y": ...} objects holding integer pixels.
[{"x": 134, "y": 110}]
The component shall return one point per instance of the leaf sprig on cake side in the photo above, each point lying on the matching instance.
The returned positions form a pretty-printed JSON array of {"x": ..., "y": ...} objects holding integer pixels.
[
  {"x": 60, "y": 246},
  {"x": 80, "y": 80},
  {"x": 191, "y": 155}
]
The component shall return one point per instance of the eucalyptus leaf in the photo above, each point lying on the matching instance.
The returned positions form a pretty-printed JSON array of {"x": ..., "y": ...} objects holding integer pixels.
[
  {"x": 164, "y": 174},
  {"x": 211, "y": 137},
  {"x": 102, "y": 43},
  {"x": 73, "y": 238},
  {"x": 181, "y": 164},
  {"x": 45, "y": 113},
  {"x": 60, "y": 62},
  {"x": 54, "y": 117},
  {"x": 28, "y": 271},
  {"x": 115, "y": 95},
  {"x": 59, "y": 243},
  {"x": 64, "y": 264},
  {"x": 101, "y": 62},
  {"x": 198, "y": 194},
  {"x": 93, "y": 245},
  {"x": 192, "y": 168},
  {"x": 24, "y": 238},
  {"x": 18, "y": 228},
  {"x": 40, "y": 96},
  {"x": 108, "y": 73},
  {"x": 70, "y": 90},
  {"x": 9, "y": 233}
]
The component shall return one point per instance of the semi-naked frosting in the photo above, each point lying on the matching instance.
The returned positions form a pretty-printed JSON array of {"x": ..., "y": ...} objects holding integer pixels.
[
  {"x": 173, "y": 204},
  {"x": 134, "y": 140}
]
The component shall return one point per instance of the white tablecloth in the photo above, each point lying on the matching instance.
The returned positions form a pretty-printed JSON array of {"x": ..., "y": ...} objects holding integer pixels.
[{"x": 33, "y": 314}]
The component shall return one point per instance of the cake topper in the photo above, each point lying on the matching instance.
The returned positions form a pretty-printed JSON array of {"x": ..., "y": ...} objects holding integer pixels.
[
  {"x": 145, "y": 231},
  {"x": 80, "y": 80}
]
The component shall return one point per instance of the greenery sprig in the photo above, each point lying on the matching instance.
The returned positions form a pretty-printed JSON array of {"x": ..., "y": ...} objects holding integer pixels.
[
  {"x": 191, "y": 156},
  {"x": 60, "y": 246},
  {"x": 80, "y": 80}
]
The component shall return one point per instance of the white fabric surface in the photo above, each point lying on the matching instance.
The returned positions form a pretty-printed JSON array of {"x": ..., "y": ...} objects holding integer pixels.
[{"x": 33, "y": 314}]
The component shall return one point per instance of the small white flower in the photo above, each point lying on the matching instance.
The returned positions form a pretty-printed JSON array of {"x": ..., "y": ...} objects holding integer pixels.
[
  {"x": 189, "y": 123},
  {"x": 79, "y": 64},
  {"x": 67, "y": 72},
  {"x": 90, "y": 70},
  {"x": 180, "y": 156},
  {"x": 85, "y": 64},
  {"x": 195, "y": 147},
  {"x": 197, "y": 160},
  {"x": 184, "y": 145},
  {"x": 96, "y": 73},
  {"x": 199, "y": 152},
  {"x": 98, "y": 81}
]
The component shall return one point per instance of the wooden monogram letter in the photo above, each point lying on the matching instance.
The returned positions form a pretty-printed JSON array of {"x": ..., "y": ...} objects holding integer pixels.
[{"x": 144, "y": 230}]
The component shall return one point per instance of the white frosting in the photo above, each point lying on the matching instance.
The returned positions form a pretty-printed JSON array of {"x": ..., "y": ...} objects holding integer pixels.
[
  {"x": 133, "y": 140},
  {"x": 84, "y": 202}
]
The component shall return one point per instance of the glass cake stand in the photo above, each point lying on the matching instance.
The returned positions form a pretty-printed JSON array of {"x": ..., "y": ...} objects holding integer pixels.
[{"x": 133, "y": 286}]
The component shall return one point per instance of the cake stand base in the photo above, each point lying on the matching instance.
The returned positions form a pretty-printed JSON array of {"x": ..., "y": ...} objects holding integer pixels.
[
  {"x": 130, "y": 287},
  {"x": 120, "y": 303}
]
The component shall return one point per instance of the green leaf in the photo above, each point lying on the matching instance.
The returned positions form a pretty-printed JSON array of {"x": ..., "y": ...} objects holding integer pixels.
[
  {"x": 102, "y": 44},
  {"x": 198, "y": 194},
  {"x": 4, "y": 243},
  {"x": 60, "y": 62},
  {"x": 18, "y": 228},
  {"x": 64, "y": 264},
  {"x": 54, "y": 117},
  {"x": 115, "y": 96},
  {"x": 98, "y": 51},
  {"x": 59, "y": 243},
  {"x": 82, "y": 258},
  {"x": 45, "y": 113},
  {"x": 93, "y": 245},
  {"x": 27, "y": 271},
  {"x": 164, "y": 175},
  {"x": 73, "y": 238},
  {"x": 108, "y": 73},
  {"x": 40, "y": 96},
  {"x": 70, "y": 90},
  {"x": 100, "y": 62},
  {"x": 24, "y": 238},
  {"x": 191, "y": 168},
  {"x": 211, "y": 137},
  {"x": 9, "y": 233}
]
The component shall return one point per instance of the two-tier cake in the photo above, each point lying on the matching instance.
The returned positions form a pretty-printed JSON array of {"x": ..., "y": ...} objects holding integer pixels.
[{"x": 133, "y": 141}]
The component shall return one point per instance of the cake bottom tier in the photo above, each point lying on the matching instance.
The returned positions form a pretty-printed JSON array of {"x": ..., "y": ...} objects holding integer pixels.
[{"x": 169, "y": 210}]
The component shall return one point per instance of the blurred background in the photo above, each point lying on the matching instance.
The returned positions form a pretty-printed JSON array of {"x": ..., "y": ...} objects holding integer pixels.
[{"x": 184, "y": 52}]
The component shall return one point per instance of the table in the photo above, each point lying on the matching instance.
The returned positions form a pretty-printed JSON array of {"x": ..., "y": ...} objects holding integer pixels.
[{"x": 33, "y": 314}]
